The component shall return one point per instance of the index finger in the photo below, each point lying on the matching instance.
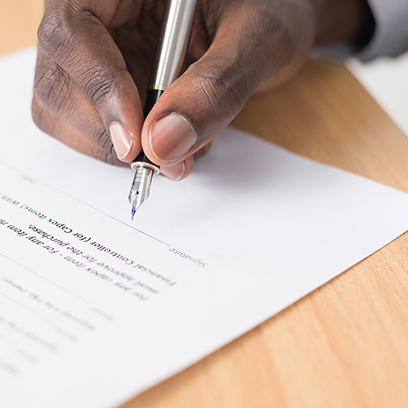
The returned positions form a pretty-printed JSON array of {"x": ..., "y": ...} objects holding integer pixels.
[{"x": 76, "y": 38}]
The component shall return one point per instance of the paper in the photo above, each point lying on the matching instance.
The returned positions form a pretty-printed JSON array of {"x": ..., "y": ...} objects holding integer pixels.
[{"x": 95, "y": 309}]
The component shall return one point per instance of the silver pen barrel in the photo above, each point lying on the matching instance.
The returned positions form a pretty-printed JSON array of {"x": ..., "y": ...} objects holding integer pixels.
[
  {"x": 173, "y": 43},
  {"x": 168, "y": 65}
]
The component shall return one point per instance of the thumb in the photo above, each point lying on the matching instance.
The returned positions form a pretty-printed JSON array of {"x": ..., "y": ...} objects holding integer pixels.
[
  {"x": 205, "y": 99},
  {"x": 194, "y": 110}
]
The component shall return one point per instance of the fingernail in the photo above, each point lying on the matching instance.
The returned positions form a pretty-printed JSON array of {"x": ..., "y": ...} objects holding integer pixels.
[
  {"x": 171, "y": 137},
  {"x": 174, "y": 172},
  {"x": 121, "y": 139}
]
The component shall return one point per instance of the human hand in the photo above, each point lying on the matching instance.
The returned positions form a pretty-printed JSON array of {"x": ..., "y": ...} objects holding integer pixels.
[{"x": 94, "y": 60}]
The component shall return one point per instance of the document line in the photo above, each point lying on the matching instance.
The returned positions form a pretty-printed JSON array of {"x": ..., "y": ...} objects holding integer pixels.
[
  {"x": 38, "y": 315},
  {"x": 88, "y": 205},
  {"x": 47, "y": 280},
  {"x": 107, "y": 215}
]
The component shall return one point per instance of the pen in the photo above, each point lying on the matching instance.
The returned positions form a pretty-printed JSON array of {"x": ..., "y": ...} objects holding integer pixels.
[{"x": 168, "y": 65}]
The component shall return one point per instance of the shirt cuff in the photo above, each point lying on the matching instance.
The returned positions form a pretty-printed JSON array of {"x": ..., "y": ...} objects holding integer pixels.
[{"x": 390, "y": 37}]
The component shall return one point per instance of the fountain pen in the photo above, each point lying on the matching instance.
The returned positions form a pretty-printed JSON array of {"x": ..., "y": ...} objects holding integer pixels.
[{"x": 168, "y": 65}]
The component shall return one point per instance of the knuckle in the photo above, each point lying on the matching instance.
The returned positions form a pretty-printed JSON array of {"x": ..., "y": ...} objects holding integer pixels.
[
  {"x": 262, "y": 21},
  {"x": 99, "y": 84},
  {"x": 224, "y": 90},
  {"x": 266, "y": 27},
  {"x": 52, "y": 86},
  {"x": 56, "y": 31}
]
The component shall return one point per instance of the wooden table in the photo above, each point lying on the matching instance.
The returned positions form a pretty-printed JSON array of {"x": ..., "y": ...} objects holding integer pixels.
[{"x": 345, "y": 344}]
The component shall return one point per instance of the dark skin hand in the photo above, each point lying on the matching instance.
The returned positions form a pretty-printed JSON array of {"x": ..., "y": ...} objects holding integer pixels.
[{"x": 94, "y": 60}]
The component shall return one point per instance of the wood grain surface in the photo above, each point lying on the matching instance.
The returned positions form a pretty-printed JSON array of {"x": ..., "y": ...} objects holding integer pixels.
[{"x": 345, "y": 344}]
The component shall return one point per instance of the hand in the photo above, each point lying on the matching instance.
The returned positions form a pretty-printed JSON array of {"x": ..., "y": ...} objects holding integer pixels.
[{"x": 94, "y": 60}]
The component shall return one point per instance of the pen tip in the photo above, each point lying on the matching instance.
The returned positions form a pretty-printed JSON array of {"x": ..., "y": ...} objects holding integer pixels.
[{"x": 132, "y": 213}]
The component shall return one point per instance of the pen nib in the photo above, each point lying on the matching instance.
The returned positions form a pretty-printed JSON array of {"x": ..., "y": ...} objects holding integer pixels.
[{"x": 140, "y": 189}]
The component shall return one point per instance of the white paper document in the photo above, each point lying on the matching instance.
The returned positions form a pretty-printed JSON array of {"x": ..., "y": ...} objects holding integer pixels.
[{"x": 95, "y": 309}]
